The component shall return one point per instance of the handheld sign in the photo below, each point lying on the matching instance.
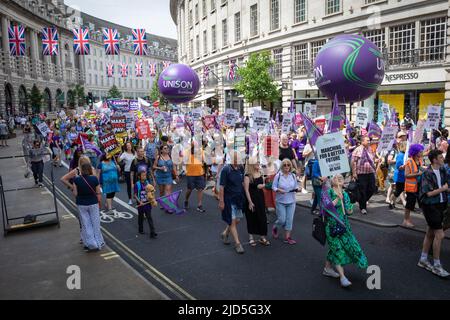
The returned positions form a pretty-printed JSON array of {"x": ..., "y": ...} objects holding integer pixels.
[
  {"x": 119, "y": 126},
  {"x": 331, "y": 154},
  {"x": 387, "y": 139},
  {"x": 231, "y": 116},
  {"x": 43, "y": 128},
  {"x": 143, "y": 129},
  {"x": 362, "y": 117},
  {"x": 110, "y": 144},
  {"x": 261, "y": 120},
  {"x": 433, "y": 117},
  {"x": 286, "y": 124}
]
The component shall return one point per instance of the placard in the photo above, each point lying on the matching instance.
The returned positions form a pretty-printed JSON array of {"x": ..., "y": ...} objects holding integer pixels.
[
  {"x": 362, "y": 117},
  {"x": 387, "y": 139},
  {"x": 310, "y": 110},
  {"x": 433, "y": 117},
  {"x": 134, "y": 105},
  {"x": 52, "y": 115},
  {"x": 197, "y": 114},
  {"x": 261, "y": 120},
  {"x": 43, "y": 128},
  {"x": 119, "y": 105},
  {"x": 320, "y": 123},
  {"x": 330, "y": 150},
  {"x": 231, "y": 116},
  {"x": 209, "y": 121},
  {"x": 130, "y": 120},
  {"x": 110, "y": 145},
  {"x": 119, "y": 126},
  {"x": 250, "y": 115},
  {"x": 418, "y": 134},
  {"x": 160, "y": 121},
  {"x": 286, "y": 123},
  {"x": 143, "y": 129}
]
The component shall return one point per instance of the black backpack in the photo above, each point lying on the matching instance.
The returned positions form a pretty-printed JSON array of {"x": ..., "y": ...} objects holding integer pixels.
[{"x": 353, "y": 191}]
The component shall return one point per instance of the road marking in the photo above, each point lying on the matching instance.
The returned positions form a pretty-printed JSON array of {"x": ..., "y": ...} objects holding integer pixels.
[
  {"x": 108, "y": 254},
  {"x": 152, "y": 271},
  {"x": 111, "y": 257}
]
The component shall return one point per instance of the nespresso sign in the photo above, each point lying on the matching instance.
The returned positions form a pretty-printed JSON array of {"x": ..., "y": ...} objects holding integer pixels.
[{"x": 402, "y": 76}]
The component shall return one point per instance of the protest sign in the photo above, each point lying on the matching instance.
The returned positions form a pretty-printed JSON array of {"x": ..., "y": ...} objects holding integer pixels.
[
  {"x": 134, "y": 105},
  {"x": 298, "y": 120},
  {"x": 310, "y": 110},
  {"x": 433, "y": 117},
  {"x": 387, "y": 139},
  {"x": 119, "y": 105},
  {"x": 320, "y": 123},
  {"x": 197, "y": 114},
  {"x": 129, "y": 120},
  {"x": 209, "y": 121},
  {"x": 53, "y": 115},
  {"x": 250, "y": 115},
  {"x": 160, "y": 121},
  {"x": 418, "y": 134},
  {"x": 110, "y": 145},
  {"x": 231, "y": 117},
  {"x": 239, "y": 141},
  {"x": 43, "y": 128},
  {"x": 261, "y": 120},
  {"x": 331, "y": 154},
  {"x": 119, "y": 126},
  {"x": 286, "y": 124},
  {"x": 143, "y": 129},
  {"x": 362, "y": 117}
]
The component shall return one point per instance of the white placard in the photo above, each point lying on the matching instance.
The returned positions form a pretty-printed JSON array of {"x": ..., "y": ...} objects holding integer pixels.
[
  {"x": 286, "y": 124},
  {"x": 52, "y": 115},
  {"x": 250, "y": 115},
  {"x": 43, "y": 128},
  {"x": 385, "y": 110},
  {"x": 418, "y": 134},
  {"x": 331, "y": 154},
  {"x": 433, "y": 117},
  {"x": 160, "y": 121},
  {"x": 130, "y": 120},
  {"x": 261, "y": 120},
  {"x": 231, "y": 117},
  {"x": 197, "y": 114},
  {"x": 310, "y": 110},
  {"x": 362, "y": 117},
  {"x": 387, "y": 139}
]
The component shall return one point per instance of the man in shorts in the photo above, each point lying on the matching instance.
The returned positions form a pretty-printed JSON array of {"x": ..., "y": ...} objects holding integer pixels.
[
  {"x": 433, "y": 196},
  {"x": 195, "y": 175}
]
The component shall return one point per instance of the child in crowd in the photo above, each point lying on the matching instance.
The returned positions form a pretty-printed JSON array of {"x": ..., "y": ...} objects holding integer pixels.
[{"x": 143, "y": 205}]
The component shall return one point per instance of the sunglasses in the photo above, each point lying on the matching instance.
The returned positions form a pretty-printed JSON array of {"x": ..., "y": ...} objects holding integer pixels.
[{"x": 286, "y": 165}]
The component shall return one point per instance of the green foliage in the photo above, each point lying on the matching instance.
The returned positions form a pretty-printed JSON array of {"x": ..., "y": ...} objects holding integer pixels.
[
  {"x": 114, "y": 93},
  {"x": 256, "y": 83},
  {"x": 80, "y": 95},
  {"x": 36, "y": 99}
]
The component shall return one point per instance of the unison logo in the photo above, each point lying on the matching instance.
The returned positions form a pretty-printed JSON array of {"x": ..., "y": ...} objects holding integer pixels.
[{"x": 177, "y": 84}]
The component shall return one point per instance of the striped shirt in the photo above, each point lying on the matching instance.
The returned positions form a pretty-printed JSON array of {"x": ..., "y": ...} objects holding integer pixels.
[{"x": 363, "y": 166}]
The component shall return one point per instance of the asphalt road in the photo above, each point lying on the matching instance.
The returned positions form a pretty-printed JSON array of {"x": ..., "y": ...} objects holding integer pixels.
[{"x": 188, "y": 260}]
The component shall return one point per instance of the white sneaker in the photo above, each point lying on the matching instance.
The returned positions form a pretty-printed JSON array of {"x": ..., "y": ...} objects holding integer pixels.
[
  {"x": 439, "y": 271},
  {"x": 425, "y": 264},
  {"x": 345, "y": 282},
  {"x": 363, "y": 211},
  {"x": 174, "y": 182},
  {"x": 130, "y": 202},
  {"x": 304, "y": 191},
  {"x": 330, "y": 273}
]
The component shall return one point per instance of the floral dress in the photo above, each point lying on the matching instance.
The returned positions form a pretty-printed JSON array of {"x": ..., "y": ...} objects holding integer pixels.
[{"x": 343, "y": 249}]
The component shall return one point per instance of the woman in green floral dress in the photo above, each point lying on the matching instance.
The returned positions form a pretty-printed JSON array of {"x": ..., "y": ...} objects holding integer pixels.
[{"x": 343, "y": 249}]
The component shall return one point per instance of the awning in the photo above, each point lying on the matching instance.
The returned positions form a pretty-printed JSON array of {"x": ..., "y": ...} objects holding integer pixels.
[{"x": 204, "y": 97}]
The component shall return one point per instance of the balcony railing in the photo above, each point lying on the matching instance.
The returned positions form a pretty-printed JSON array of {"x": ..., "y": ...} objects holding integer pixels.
[{"x": 393, "y": 60}]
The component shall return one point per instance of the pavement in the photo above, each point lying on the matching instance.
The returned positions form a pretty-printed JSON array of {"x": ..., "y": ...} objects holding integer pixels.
[{"x": 35, "y": 263}]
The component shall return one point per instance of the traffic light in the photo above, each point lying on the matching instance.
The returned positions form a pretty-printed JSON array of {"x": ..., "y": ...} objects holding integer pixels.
[{"x": 90, "y": 98}]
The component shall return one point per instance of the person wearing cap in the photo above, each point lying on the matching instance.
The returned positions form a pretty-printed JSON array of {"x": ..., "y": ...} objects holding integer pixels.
[
  {"x": 401, "y": 136},
  {"x": 413, "y": 173}
]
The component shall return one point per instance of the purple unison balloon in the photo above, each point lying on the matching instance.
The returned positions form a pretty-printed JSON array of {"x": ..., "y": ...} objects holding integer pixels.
[
  {"x": 350, "y": 66},
  {"x": 178, "y": 83}
]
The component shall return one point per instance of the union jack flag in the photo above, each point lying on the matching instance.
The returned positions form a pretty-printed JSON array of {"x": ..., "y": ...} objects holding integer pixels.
[
  {"x": 205, "y": 74},
  {"x": 232, "y": 70},
  {"x": 16, "y": 40},
  {"x": 109, "y": 70},
  {"x": 139, "y": 69},
  {"x": 124, "y": 70},
  {"x": 139, "y": 42},
  {"x": 111, "y": 41},
  {"x": 166, "y": 64},
  {"x": 152, "y": 68},
  {"x": 81, "y": 44},
  {"x": 50, "y": 42}
]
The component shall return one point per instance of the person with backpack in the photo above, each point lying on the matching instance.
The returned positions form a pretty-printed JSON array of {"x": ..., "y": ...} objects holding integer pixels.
[
  {"x": 285, "y": 185},
  {"x": 399, "y": 175},
  {"x": 433, "y": 196},
  {"x": 143, "y": 205},
  {"x": 413, "y": 173}
]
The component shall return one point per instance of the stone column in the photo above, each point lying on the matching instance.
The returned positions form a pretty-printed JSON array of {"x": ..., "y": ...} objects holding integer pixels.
[
  {"x": 286, "y": 67},
  {"x": 2, "y": 99},
  {"x": 5, "y": 42},
  {"x": 221, "y": 92}
]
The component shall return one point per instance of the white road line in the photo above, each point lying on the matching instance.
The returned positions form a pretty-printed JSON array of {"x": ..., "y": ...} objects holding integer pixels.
[
  {"x": 122, "y": 203},
  {"x": 111, "y": 257},
  {"x": 108, "y": 253}
]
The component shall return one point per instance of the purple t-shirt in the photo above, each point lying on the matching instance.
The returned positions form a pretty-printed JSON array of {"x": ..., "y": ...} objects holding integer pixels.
[{"x": 298, "y": 146}]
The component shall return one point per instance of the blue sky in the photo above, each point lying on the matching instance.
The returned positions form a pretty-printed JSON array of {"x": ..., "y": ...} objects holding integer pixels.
[{"x": 153, "y": 15}]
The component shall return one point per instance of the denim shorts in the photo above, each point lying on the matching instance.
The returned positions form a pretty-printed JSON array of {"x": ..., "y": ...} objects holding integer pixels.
[{"x": 236, "y": 214}]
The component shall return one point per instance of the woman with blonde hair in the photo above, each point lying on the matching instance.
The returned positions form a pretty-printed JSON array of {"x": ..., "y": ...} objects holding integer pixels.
[
  {"x": 343, "y": 248},
  {"x": 285, "y": 186},
  {"x": 254, "y": 208}
]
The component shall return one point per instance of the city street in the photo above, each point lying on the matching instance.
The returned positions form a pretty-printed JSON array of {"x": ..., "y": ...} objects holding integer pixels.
[{"x": 189, "y": 252}]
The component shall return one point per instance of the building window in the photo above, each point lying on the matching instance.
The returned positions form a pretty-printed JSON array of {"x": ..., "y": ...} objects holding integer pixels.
[
  {"x": 89, "y": 64},
  {"x": 254, "y": 20},
  {"x": 315, "y": 48},
  {"x": 274, "y": 14},
  {"x": 213, "y": 38},
  {"x": 95, "y": 64},
  {"x": 299, "y": 11},
  {"x": 301, "y": 62},
  {"x": 204, "y": 8},
  {"x": 196, "y": 13},
  {"x": 213, "y": 5},
  {"x": 90, "y": 78},
  {"x": 370, "y": 1},
  {"x": 224, "y": 33},
  {"x": 191, "y": 48},
  {"x": 377, "y": 37},
  {"x": 277, "y": 66},
  {"x": 332, "y": 6},
  {"x": 401, "y": 44},
  {"x": 197, "y": 45},
  {"x": 432, "y": 39},
  {"x": 237, "y": 27},
  {"x": 205, "y": 42}
]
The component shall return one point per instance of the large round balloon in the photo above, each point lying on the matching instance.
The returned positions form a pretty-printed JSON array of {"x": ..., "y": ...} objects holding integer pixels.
[
  {"x": 178, "y": 83},
  {"x": 350, "y": 66}
]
